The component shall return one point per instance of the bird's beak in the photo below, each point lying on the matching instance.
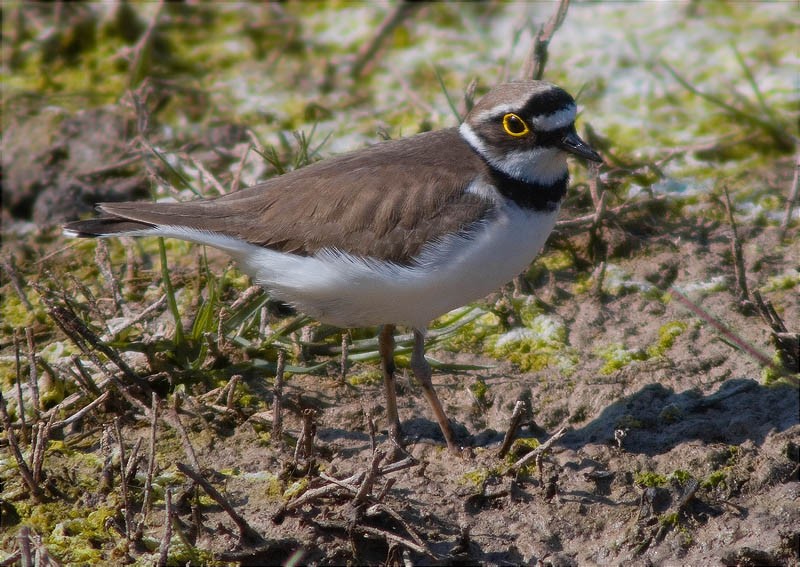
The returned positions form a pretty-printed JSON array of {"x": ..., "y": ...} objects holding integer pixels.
[{"x": 573, "y": 144}]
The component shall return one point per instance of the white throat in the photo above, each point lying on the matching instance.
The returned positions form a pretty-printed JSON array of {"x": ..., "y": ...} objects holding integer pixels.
[{"x": 537, "y": 165}]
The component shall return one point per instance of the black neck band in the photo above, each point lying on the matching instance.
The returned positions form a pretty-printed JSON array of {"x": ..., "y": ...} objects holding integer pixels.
[{"x": 530, "y": 195}]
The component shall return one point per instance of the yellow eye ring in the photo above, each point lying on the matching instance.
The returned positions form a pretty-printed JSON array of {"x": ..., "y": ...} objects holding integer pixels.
[{"x": 514, "y": 125}]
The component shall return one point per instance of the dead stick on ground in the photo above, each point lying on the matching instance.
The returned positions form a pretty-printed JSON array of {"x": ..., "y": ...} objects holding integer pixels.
[
  {"x": 123, "y": 479},
  {"x": 306, "y": 441},
  {"x": 231, "y": 398},
  {"x": 371, "y": 428},
  {"x": 609, "y": 214},
  {"x": 41, "y": 438},
  {"x": 343, "y": 360},
  {"x": 24, "y": 470},
  {"x": 24, "y": 539},
  {"x": 511, "y": 432},
  {"x": 315, "y": 493},
  {"x": 163, "y": 552},
  {"x": 245, "y": 531},
  {"x": 173, "y": 419},
  {"x": 85, "y": 338},
  {"x": 786, "y": 343},
  {"x": 33, "y": 378},
  {"x": 84, "y": 378},
  {"x": 388, "y": 536},
  {"x": 730, "y": 335},
  {"x": 277, "y": 399},
  {"x": 16, "y": 282},
  {"x": 738, "y": 255},
  {"x": 537, "y": 56},
  {"x": 366, "y": 487},
  {"x": 380, "y": 506},
  {"x": 104, "y": 263},
  {"x": 343, "y": 483},
  {"x": 133, "y": 461},
  {"x": 20, "y": 400},
  {"x": 349, "y": 484},
  {"x": 81, "y": 412},
  {"x": 792, "y": 200},
  {"x": 151, "y": 458},
  {"x": 540, "y": 449}
]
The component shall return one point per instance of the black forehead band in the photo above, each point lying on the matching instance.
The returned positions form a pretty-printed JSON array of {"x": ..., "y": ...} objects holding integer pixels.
[{"x": 548, "y": 102}]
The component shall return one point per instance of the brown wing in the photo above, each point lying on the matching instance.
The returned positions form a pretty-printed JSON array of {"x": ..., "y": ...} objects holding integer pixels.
[{"x": 385, "y": 201}]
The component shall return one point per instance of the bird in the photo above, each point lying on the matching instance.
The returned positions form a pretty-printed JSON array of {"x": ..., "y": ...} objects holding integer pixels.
[{"x": 396, "y": 233}]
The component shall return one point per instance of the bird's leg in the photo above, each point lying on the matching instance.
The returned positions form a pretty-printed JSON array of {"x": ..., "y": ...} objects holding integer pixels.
[
  {"x": 422, "y": 370},
  {"x": 386, "y": 348}
]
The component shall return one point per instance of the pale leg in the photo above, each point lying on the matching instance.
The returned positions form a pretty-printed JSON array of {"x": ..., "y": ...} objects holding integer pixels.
[
  {"x": 386, "y": 348},
  {"x": 422, "y": 371}
]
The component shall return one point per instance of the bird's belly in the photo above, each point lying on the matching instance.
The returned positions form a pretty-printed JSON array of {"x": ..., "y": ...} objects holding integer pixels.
[{"x": 349, "y": 291}]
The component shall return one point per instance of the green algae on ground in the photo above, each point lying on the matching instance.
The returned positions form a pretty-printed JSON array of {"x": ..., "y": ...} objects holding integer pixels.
[
  {"x": 480, "y": 390},
  {"x": 680, "y": 476},
  {"x": 649, "y": 479},
  {"x": 666, "y": 338},
  {"x": 471, "y": 337},
  {"x": 790, "y": 279},
  {"x": 618, "y": 356},
  {"x": 541, "y": 343},
  {"x": 72, "y": 533},
  {"x": 370, "y": 376},
  {"x": 716, "y": 479},
  {"x": 521, "y": 447}
]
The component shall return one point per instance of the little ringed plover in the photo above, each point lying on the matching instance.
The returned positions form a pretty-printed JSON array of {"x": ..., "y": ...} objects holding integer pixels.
[{"x": 397, "y": 233}]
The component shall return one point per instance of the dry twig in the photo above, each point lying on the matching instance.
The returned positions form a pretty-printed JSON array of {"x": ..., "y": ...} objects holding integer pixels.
[
  {"x": 20, "y": 399},
  {"x": 277, "y": 399},
  {"x": 13, "y": 445},
  {"x": 104, "y": 263},
  {"x": 728, "y": 334},
  {"x": 350, "y": 484},
  {"x": 513, "y": 426},
  {"x": 343, "y": 359},
  {"x": 151, "y": 458},
  {"x": 738, "y": 255},
  {"x": 33, "y": 377},
  {"x": 246, "y": 532},
  {"x": 123, "y": 479},
  {"x": 173, "y": 419},
  {"x": 786, "y": 343},
  {"x": 169, "y": 514},
  {"x": 16, "y": 281},
  {"x": 794, "y": 193},
  {"x": 539, "y": 451},
  {"x": 537, "y": 57}
]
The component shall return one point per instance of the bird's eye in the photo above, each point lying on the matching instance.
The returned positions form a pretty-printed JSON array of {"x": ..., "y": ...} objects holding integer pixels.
[{"x": 515, "y": 125}]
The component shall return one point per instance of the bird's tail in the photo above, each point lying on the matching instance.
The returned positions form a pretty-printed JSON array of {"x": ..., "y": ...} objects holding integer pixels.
[{"x": 132, "y": 218}]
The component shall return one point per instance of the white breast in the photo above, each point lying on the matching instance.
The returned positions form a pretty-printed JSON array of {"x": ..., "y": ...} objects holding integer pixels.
[{"x": 348, "y": 291}]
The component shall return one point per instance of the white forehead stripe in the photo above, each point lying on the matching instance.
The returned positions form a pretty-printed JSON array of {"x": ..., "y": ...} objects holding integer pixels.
[{"x": 556, "y": 120}]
